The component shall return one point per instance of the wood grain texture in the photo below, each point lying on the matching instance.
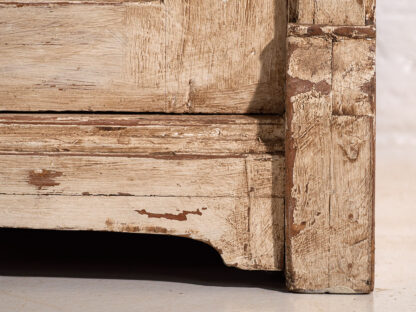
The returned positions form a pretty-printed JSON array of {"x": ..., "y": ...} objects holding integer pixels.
[
  {"x": 332, "y": 32},
  {"x": 158, "y": 135},
  {"x": 82, "y": 57},
  {"x": 69, "y": 2},
  {"x": 370, "y": 12},
  {"x": 330, "y": 164},
  {"x": 351, "y": 262},
  {"x": 218, "y": 223},
  {"x": 240, "y": 56},
  {"x": 308, "y": 163},
  {"x": 354, "y": 77},
  {"x": 336, "y": 12},
  {"x": 218, "y": 179},
  {"x": 72, "y": 2},
  {"x": 332, "y": 12},
  {"x": 306, "y": 11},
  {"x": 143, "y": 56}
]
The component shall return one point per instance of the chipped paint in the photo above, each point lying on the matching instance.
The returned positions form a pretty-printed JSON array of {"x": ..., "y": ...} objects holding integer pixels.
[
  {"x": 43, "y": 178},
  {"x": 177, "y": 217}
]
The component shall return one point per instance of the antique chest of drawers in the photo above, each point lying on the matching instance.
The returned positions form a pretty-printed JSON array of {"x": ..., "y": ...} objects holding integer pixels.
[{"x": 248, "y": 125}]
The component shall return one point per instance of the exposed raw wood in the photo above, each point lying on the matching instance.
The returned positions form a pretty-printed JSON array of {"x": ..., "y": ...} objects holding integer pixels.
[
  {"x": 339, "y": 12},
  {"x": 221, "y": 182},
  {"x": 330, "y": 165},
  {"x": 354, "y": 77},
  {"x": 370, "y": 10},
  {"x": 238, "y": 58},
  {"x": 306, "y": 11},
  {"x": 82, "y": 57},
  {"x": 352, "y": 176},
  {"x": 266, "y": 223},
  {"x": 220, "y": 222},
  {"x": 182, "y": 175},
  {"x": 332, "y": 12},
  {"x": 72, "y": 2},
  {"x": 292, "y": 8},
  {"x": 215, "y": 178},
  {"x": 141, "y": 134},
  {"x": 332, "y": 32},
  {"x": 308, "y": 163},
  {"x": 143, "y": 56}
]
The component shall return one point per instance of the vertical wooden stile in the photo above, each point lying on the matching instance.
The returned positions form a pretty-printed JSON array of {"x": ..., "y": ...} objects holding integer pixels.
[{"x": 330, "y": 134}]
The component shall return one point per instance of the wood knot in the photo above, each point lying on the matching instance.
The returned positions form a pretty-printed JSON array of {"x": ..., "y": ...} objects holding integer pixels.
[{"x": 351, "y": 148}]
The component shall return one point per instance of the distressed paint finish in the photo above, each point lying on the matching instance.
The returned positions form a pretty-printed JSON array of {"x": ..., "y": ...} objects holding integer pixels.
[
  {"x": 354, "y": 77},
  {"x": 352, "y": 177},
  {"x": 332, "y": 32},
  {"x": 68, "y": 2},
  {"x": 143, "y": 56},
  {"x": 370, "y": 12},
  {"x": 158, "y": 135},
  {"x": 216, "y": 68},
  {"x": 336, "y": 12},
  {"x": 330, "y": 160},
  {"x": 82, "y": 57},
  {"x": 218, "y": 179},
  {"x": 195, "y": 175},
  {"x": 220, "y": 223},
  {"x": 306, "y": 11},
  {"x": 332, "y": 12},
  {"x": 308, "y": 162}
]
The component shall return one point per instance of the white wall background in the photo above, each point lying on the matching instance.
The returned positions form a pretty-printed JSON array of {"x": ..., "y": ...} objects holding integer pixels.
[{"x": 396, "y": 73}]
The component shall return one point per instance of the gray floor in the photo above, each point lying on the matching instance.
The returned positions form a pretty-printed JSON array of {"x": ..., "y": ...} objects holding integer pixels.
[{"x": 34, "y": 278}]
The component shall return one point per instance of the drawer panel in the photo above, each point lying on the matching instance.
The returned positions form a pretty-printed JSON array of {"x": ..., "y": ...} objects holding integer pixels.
[
  {"x": 143, "y": 56},
  {"x": 180, "y": 175},
  {"x": 219, "y": 179}
]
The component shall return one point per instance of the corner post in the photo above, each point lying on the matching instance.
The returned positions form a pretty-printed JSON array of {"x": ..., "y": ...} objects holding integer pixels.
[{"x": 330, "y": 149}]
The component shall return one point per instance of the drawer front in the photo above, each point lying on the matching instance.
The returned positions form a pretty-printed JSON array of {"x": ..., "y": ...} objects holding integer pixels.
[{"x": 175, "y": 56}]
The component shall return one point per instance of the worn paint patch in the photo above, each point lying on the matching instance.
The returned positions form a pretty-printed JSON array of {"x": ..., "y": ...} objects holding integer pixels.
[
  {"x": 43, "y": 178},
  {"x": 297, "y": 228},
  {"x": 177, "y": 217},
  {"x": 297, "y": 86},
  {"x": 109, "y": 223},
  {"x": 332, "y": 32},
  {"x": 105, "y": 128},
  {"x": 129, "y": 228},
  {"x": 124, "y": 194},
  {"x": 355, "y": 32},
  {"x": 157, "y": 230},
  {"x": 369, "y": 88}
]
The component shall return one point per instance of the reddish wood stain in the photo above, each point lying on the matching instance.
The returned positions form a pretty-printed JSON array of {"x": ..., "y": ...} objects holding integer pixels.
[
  {"x": 43, "y": 178},
  {"x": 178, "y": 217},
  {"x": 156, "y": 229}
]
